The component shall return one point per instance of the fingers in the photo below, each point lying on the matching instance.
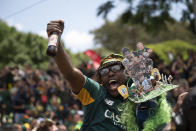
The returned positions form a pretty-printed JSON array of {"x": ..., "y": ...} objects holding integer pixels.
[
  {"x": 60, "y": 22},
  {"x": 182, "y": 95},
  {"x": 181, "y": 98},
  {"x": 55, "y": 26}
]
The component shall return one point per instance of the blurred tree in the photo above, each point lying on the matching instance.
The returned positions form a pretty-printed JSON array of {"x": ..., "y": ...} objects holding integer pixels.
[
  {"x": 194, "y": 10},
  {"x": 148, "y": 21},
  {"x": 152, "y": 14},
  {"x": 105, "y": 8},
  {"x": 4, "y": 30},
  {"x": 189, "y": 13},
  {"x": 175, "y": 31},
  {"x": 18, "y": 48},
  {"x": 177, "y": 47},
  {"x": 115, "y": 35},
  {"x": 112, "y": 36}
]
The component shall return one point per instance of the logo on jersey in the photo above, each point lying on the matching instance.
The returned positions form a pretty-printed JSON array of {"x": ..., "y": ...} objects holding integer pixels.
[
  {"x": 115, "y": 118},
  {"x": 109, "y": 102}
]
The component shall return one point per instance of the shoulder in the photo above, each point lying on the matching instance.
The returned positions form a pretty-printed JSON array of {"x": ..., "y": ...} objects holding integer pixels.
[{"x": 91, "y": 91}]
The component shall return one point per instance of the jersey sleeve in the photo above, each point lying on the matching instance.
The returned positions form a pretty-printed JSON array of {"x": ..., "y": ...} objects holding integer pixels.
[{"x": 90, "y": 91}]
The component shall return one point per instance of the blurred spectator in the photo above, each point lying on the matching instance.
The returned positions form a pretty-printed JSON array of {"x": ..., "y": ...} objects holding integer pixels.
[
  {"x": 171, "y": 56},
  {"x": 9, "y": 128},
  {"x": 5, "y": 102},
  {"x": 47, "y": 125},
  {"x": 187, "y": 117},
  {"x": 173, "y": 95},
  {"x": 179, "y": 68},
  {"x": 77, "y": 119},
  {"x": 17, "y": 127},
  {"x": 87, "y": 69},
  {"x": 34, "y": 125},
  {"x": 52, "y": 69},
  {"x": 62, "y": 128},
  {"x": 192, "y": 77},
  {"x": 6, "y": 76},
  {"x": 19, "y": 100}
]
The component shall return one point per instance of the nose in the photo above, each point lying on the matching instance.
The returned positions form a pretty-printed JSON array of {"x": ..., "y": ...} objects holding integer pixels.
[{"x": 110, "y": 73}]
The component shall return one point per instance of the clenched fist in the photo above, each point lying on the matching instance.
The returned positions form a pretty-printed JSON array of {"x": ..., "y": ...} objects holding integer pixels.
[{"x": 55, "y": 26}]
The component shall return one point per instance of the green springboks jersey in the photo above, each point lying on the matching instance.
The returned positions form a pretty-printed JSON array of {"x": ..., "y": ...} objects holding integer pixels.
[{"x": 101, "y": 112}]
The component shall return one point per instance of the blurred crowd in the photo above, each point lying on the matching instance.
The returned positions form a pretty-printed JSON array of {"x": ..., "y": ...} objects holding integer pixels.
[
  {"x": 29, "y": 97},
  {"x": 184, "y": 75}
]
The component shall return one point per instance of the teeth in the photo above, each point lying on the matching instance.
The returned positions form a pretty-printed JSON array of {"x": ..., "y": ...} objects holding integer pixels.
[{"x": 112, "y": 81}]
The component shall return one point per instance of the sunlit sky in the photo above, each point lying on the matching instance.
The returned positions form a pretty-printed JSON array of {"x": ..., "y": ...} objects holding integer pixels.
[{"x": 79, "y": 16}]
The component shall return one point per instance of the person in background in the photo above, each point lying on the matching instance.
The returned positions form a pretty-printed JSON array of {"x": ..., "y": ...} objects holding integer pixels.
[
  {"x": 19, "y": 100},
  {"x": 47, "y": 125},
  {"x": 187, "y": 112},
  {"x": 62, "y": 127}
]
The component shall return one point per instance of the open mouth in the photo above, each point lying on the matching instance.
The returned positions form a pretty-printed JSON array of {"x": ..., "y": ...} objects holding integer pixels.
[{"x": 113, "y": 84}]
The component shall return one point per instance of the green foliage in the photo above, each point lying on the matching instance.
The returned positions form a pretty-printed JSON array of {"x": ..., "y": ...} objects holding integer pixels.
[
  {"x": 175, "y": 46},
  {"x": 152, "y": 14},
  {"x": 174, "y": 31},
  {"x": 115, "y": 35},
  {"x": 4, "y": 30},
  {"x": 148, "y": 21},
  {"x": 18, "y": 48},
  {"x": 105, "y": 9},
  {"x": 188, "y": 13}
]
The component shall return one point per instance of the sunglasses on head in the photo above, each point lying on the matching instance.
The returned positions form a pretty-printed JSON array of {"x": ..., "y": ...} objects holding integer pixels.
[{"x": 113, "y": 68}]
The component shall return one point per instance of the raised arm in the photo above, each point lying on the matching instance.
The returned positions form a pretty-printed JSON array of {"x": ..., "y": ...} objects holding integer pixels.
[{"x": 63, "y": 61}]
